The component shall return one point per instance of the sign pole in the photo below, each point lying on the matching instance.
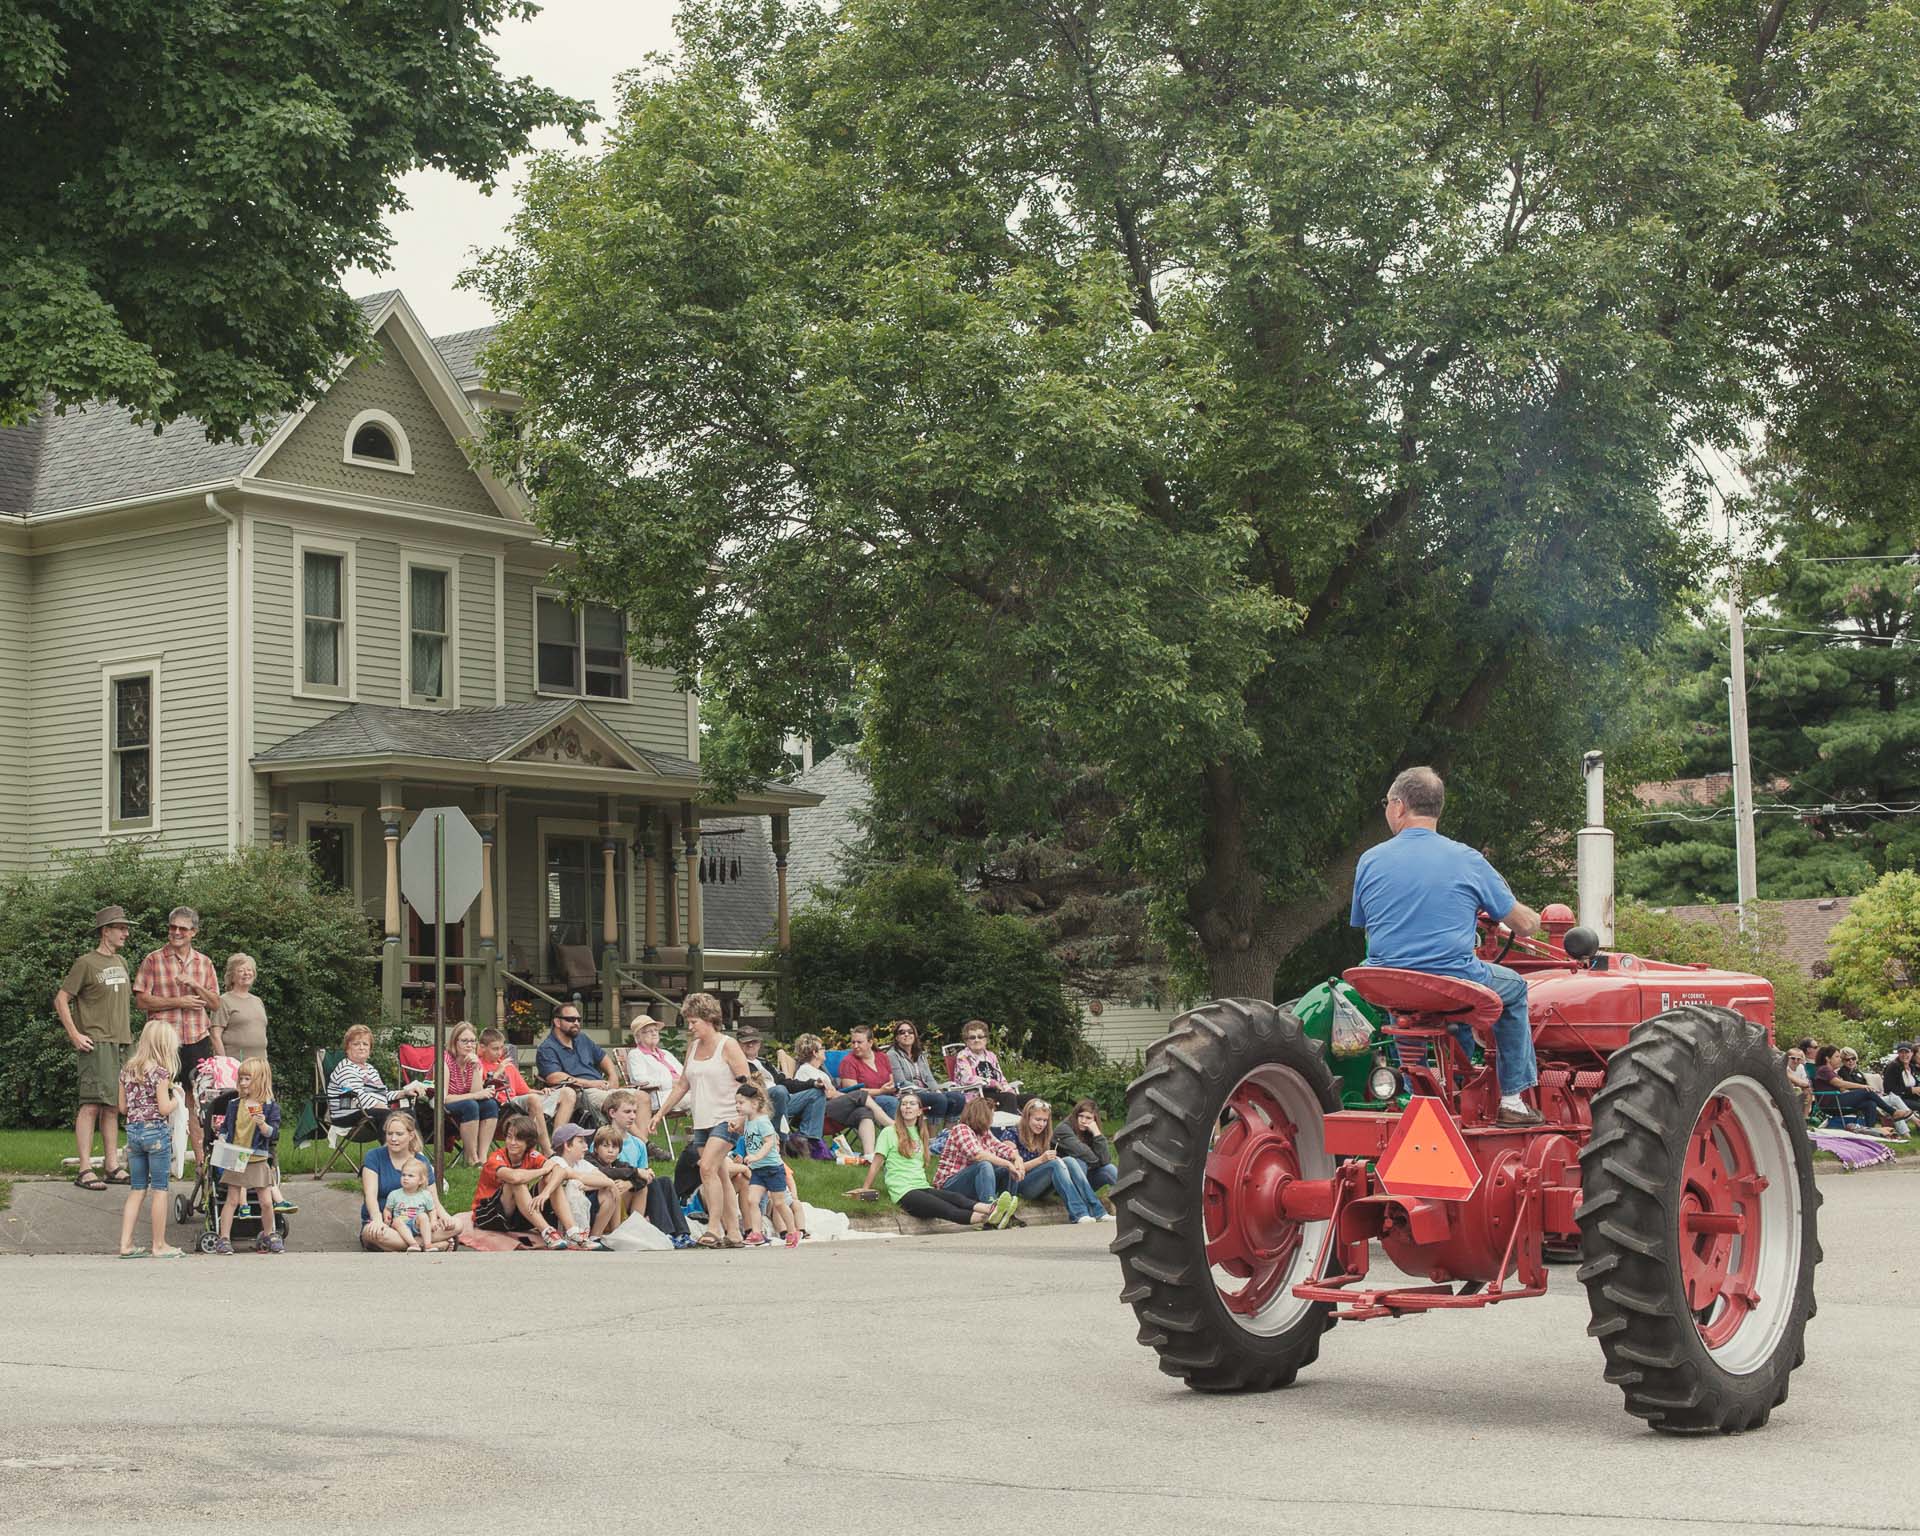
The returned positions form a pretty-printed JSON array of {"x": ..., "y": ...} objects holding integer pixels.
[{"x": 440, "y": 997}]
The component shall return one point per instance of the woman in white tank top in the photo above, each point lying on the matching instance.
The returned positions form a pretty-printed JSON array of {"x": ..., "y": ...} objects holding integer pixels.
[{"x": 710, "y": 1074}]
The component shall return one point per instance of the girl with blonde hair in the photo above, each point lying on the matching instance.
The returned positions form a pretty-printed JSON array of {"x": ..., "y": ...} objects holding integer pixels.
[
  {"x": 251, "y": 1123},
  {"x": 147, "y": 1098},
  {"x": 1048, "y": 1172}
]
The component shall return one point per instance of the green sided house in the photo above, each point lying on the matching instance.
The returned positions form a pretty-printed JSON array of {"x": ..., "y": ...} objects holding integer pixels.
[{"x": 316, "y": 636}]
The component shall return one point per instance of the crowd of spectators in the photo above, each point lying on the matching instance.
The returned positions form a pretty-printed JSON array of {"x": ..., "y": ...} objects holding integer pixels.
[
  {"x": 573, "y": 1165},
  {"x": 1835, "y": 1090}
]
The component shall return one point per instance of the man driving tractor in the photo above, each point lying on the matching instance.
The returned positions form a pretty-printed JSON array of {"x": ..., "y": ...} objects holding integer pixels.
[{"x": 1419, "y": 896}]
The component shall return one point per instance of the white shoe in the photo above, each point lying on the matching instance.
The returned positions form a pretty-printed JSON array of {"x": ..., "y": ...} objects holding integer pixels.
[{"x": 1086, "y": 1221}]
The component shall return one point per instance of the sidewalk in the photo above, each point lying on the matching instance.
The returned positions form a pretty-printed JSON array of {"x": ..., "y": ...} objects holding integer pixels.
[{"x": 56, "y": 1216}]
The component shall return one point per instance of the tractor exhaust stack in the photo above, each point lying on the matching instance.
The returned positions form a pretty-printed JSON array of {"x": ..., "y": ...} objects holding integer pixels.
[{"x": 1593, "y": 854}]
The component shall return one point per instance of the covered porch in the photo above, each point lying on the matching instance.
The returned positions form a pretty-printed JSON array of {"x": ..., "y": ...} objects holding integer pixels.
[{"x": 597, "y": 868}]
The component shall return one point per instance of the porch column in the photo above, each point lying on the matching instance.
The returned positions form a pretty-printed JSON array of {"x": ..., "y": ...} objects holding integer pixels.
[
  {"x": 669, "y": 864},
  {"x": 783, "y": 932},
  {"x": 391, "y": 952},
  {"x": 487, "y": 1006},
  {"x": 650, "y": 919},
  {"x": 609, "y": 916},
  {"x": 696, "y": 929}
]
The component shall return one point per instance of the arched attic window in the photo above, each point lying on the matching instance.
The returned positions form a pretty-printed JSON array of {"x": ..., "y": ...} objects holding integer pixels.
[{"x": 376, "y": 441}]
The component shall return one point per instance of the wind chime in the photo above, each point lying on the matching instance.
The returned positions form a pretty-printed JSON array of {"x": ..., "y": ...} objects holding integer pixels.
[{"x": 717, "y": 868}]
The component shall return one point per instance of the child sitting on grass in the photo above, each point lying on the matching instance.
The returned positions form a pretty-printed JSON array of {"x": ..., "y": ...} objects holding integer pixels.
[
  {"x": 756, "y": 1166},
  {"x": 583, "y": 1185},
  {"x": 520, "y": 1190}
]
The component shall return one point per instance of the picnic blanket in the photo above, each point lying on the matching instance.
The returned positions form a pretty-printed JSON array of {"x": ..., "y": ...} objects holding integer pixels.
[{"x": 1853, "y": 1148}]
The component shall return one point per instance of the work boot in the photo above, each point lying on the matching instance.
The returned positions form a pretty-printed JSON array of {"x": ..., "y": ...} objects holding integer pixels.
[
  {"x": 819, "y": 1151},
  {"x": 1517, "y": 1114}
]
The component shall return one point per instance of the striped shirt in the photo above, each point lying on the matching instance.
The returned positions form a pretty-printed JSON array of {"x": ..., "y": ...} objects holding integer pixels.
[
  {"x": 965, "y": 1145},
  {"x": 163, "y": 974},
  {"x": 354, "y": 1086}
]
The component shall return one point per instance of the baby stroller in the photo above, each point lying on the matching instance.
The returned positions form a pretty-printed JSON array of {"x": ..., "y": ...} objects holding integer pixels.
[{"x": 203, "y": 1201}]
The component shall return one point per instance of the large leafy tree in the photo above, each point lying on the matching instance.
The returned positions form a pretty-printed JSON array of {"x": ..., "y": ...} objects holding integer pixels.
[
  {"x": 184, "y": 186},
  {"x": 1239, "y": 401}
]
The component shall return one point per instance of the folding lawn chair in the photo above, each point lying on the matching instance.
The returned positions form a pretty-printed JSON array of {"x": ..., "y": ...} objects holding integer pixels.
[{"x": 362, "y": 1128}]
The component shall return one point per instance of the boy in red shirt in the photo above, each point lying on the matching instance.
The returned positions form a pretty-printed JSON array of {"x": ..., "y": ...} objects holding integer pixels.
[
  {"x": 510, "y": 1088},
  {"x": 519, "y": 1188}
]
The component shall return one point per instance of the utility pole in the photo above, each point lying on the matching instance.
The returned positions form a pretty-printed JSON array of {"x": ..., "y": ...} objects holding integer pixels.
[{"x": 1743, "y": 856}]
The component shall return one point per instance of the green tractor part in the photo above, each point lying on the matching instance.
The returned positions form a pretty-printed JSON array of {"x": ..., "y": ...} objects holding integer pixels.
[{"x": 1346, "y": 1028}]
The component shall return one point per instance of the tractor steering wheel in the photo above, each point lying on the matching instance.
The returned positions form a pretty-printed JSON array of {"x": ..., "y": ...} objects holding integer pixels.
[{"x": 1490, "y": 927}]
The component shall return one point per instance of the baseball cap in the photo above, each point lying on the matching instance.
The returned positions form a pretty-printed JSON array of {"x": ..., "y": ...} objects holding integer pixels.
[{"x": 562, "y": 1134}]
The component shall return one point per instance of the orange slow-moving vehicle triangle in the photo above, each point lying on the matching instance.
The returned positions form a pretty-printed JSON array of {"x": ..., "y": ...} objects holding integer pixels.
[{"x": 1427, "y": 1155}]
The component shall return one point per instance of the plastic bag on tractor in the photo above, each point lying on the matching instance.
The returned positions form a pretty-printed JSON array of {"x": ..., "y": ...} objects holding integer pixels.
[{"x": 1351, "y": 1031}]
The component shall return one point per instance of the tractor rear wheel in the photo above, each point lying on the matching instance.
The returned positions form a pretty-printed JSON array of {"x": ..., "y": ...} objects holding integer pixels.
[
  {"x": 1230, "y": 1107},
  {"x": 1697, "y": 1223}
]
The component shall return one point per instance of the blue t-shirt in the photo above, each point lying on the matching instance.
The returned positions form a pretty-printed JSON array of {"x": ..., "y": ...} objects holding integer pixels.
[
  {"x": 1417, "y": 895},
  {"x": 633, "y": 1152},
  {"x": 388, "y": 1175},
  {"x": 757, "y": 1129},
  {"x": 581, "y": 1059}
]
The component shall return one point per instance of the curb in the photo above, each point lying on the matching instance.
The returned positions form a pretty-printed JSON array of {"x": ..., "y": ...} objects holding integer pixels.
[
  {"x": 897, "y": 1221},
  {"x": 1834, "y": 1165}
]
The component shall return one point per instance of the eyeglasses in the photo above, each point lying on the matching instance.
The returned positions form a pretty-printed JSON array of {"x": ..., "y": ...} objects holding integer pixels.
[{"x": 178, "y": 928}]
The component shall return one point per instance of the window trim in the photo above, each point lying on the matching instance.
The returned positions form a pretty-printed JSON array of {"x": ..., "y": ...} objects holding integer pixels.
[
  {"x": 312, "y": 813},
  {"x": 448, "y": 565},
  {"x": 111, "y": 673},
  {"x": 541, "y": 690},
  {"x": 347, "y": 691},
  {"x": 403, "y": 450}
]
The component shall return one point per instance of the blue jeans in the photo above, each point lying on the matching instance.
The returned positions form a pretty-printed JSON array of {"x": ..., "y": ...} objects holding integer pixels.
[
  {"x": 149, "y": 1154},
  {"x": 806, "y": 1111},
  {"x": 1514, "y": 1060},
  {"x": 886, "y": 1103},
  {"x": 942, "y": 1105},
  {"x": 1103, "y": 1176},
  {"x": 977, "y": 1181},
  {"x": 467, "y": 1111},
  {"x": 1056, "y": 1178}
]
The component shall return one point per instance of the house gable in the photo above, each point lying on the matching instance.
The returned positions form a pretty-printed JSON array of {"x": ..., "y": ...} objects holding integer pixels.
[
  {"x": 314, "y": 451},
  {"x": 577, "y": 740}
]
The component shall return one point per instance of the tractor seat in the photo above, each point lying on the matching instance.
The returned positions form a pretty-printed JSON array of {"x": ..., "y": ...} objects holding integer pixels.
[{"x": 1413, "y": 993}]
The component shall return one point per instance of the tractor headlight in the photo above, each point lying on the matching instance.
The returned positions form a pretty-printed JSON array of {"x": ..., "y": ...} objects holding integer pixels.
[{"x": 1383, "y": 1082}]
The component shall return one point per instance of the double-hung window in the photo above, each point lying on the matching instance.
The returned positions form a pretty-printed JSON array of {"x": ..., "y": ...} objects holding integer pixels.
[
  {"x": 581, "y": 651},
  {"x": 325, "y": 579},
  {"x": 430, "y": 600}
]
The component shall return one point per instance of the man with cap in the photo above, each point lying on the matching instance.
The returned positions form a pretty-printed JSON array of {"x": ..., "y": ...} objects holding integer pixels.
[{"x": 94, "y": 1007}]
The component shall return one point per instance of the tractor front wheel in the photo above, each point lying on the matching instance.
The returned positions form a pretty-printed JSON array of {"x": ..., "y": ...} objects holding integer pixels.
[
  {"x": 1230, "y": 1108},
  {"x": 1697, "y": 1223}
]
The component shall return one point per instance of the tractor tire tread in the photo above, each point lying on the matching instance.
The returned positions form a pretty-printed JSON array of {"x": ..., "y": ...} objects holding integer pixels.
[
  {"x": 1161, "y": 1245},
  {"x": 1656, "y": 1086}
]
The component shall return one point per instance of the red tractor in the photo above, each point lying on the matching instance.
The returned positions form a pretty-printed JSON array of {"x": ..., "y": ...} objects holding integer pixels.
[{"x": 1673, "y": 1158}]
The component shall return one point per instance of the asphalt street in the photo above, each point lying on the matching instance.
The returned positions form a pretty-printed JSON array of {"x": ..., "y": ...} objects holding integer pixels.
[{"x": 984, "y": 1381}]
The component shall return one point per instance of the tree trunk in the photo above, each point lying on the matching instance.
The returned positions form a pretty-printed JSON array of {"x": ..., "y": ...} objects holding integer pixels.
[{"x": 1228, "y": 906}]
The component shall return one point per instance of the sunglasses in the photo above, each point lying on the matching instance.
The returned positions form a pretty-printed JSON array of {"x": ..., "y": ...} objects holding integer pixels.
[{"x": 569, "y": 1018}]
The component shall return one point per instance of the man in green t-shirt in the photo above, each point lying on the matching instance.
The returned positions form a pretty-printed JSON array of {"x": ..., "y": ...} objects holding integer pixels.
[{"x": 95, "y": 1006}]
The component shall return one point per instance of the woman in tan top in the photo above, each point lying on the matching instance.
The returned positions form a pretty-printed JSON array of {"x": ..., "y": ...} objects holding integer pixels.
[
  {"x": 712, "y": 1071},
  {"x": 239, "y": 1024}
]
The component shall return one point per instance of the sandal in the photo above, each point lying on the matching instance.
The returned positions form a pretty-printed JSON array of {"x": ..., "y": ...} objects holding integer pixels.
[
  {"x": 707, "y": 1240},
  {"x": 90, "y": 1181},
  {"x": 733, "y": 1242},
  {"x": 120, "y": 1176}
]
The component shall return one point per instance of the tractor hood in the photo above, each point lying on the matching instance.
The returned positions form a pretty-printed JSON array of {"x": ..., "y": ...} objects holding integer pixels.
[{"x": 1593, "y": 1011}]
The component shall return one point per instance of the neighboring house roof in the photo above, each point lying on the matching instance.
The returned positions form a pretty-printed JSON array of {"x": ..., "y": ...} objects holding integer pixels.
[
  {"x": 738, "y": 912},
  {"x": 99, "y": 454},
  {"x": 819, "y": 839},
  {"x": 461, "y": 352},
  {"x": 1805, "y": 924},
  {"x": 1708, "y": 789}
]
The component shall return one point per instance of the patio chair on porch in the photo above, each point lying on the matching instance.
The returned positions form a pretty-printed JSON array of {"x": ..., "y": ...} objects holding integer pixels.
[
  {"x": 578, "y": 974},
  {"x": 363, "y": 1128}
]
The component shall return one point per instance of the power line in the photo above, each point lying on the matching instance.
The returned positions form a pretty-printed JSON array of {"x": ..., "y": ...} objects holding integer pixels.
[
  {"x": 1910, "y": 559},
  {"x": 1838, "y": 634},
  {"x": 1725, "y": 812}
]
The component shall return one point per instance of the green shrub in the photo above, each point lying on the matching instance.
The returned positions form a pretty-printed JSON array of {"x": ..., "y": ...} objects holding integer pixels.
[
  {"x": 311, "y": 944},
  {"x": 1875, "y": 953},
  {"x": 1105, "y": 1082},
  {"x": 906, "y": 943}
]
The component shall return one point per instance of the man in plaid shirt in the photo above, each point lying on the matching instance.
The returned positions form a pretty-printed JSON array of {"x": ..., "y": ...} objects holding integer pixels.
[{"x": 178, "y": 985}]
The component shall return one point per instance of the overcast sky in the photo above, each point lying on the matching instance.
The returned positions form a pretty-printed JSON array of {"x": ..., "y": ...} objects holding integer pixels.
[{"x": 574, "y": 46}]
